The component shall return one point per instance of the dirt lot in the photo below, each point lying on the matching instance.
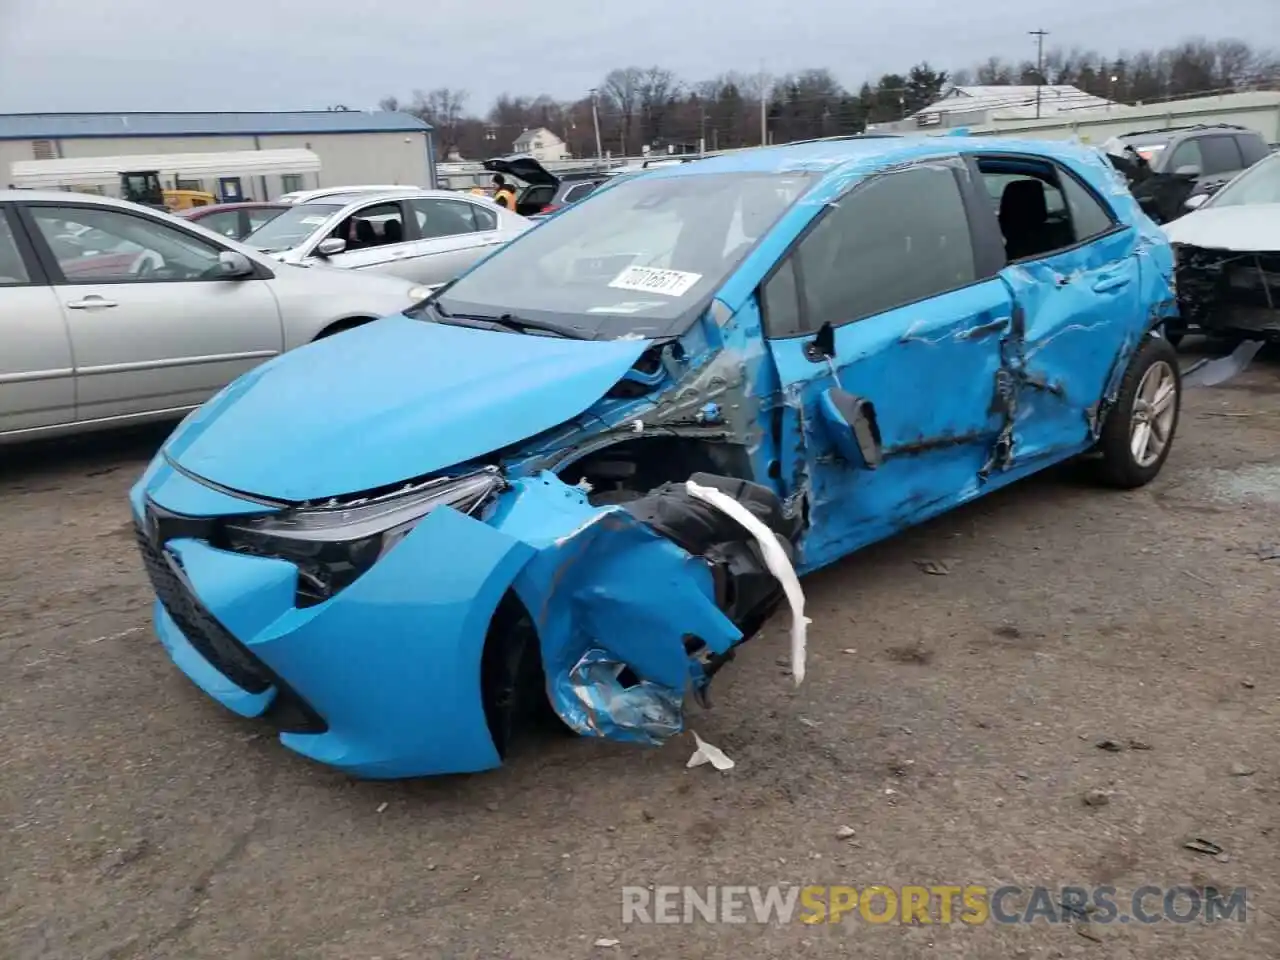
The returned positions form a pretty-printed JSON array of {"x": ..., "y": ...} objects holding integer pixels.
[{"x": 951, "y": 720}]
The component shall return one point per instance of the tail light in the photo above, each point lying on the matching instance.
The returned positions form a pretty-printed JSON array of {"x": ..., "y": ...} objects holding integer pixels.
[{"x": 550, "y": 208}]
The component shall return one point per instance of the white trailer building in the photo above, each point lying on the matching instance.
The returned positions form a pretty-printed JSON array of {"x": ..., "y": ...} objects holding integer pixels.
[{"x": 350, "y": 146}]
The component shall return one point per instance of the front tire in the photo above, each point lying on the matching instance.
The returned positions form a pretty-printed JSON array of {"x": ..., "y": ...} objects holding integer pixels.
[{"x": 1139, "y": 431}]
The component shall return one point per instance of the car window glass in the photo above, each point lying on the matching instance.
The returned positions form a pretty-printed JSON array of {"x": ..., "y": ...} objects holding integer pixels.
[
  {"x": 443, "y": 218},
  {"x": 1252, "y": 149},
  {"x": 1260, "y": 184},
  {"x": 1031, "y": 208},
  {"x": 578, "y": 191},
  {"x": 373, "y": 226},
  {"x": 896, "y": 239},
  {"x": 1220, "y": 154},
  {"x": 226, "y": 222},
  {"x": 12, "y": 269},
  {"x": 97, "y": 245},
  {"x": 781, "y": 302},
  {"x": 485, "y": 219},
  {"x": 258, "y": 217},
  {"x": 1088, "y": 217},
  {"x": 1187, "y": 154},
  {"x": 293, "y": 227}
]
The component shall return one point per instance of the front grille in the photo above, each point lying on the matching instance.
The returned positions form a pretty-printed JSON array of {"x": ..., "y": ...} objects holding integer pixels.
[{"x": 203, "y": 631}]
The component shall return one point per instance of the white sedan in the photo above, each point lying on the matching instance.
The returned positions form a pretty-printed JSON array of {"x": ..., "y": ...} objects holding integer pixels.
[
  {"x": 113, "y": 314},
  {"x": 428, "y": 236}
]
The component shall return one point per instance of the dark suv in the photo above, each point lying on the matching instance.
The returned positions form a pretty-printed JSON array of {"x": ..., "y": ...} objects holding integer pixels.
[{"x": 1183, "y": 162}]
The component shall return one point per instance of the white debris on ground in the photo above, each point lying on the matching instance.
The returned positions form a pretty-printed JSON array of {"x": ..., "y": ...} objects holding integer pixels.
[
  {"x": 775, "y": 559},
  {"x": 706, "y": 753}
]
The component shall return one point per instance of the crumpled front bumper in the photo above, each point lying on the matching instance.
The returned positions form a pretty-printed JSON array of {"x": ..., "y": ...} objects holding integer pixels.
[{"x": 384, "y": 679}]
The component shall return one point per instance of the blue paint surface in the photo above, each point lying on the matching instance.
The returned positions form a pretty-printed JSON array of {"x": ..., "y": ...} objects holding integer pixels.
[{"x": 971, "y": 390}]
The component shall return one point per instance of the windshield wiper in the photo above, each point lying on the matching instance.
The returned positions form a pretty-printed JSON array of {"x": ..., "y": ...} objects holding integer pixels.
[{"x": 509, "y": 321}]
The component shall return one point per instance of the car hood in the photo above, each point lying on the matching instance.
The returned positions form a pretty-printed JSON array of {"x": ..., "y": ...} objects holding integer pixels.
[
  {"x": 523, "y": 168},
  {"x": 1248, "y": 229},
  {"x": 388, "y": 402}
]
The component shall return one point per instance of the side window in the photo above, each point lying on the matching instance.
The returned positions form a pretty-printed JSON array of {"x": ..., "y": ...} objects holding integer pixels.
[
  {"x": 1221, "y": 155},
  {"x": 1088, "y": 216},
  {"x": 12, "y": 270},
  {"x": 1186, "y": 155},
  {"x": 99, "y": 245},
  {"x": 226, "y": 223},
  {"x": 443, "y": 218},
  {"x": 290, "y": 183},
  {"x": 895, "y": 239},
  {"x": 374, "y": 226},
  {"x": 485, "y": 219},
  {"x": 1252, "y": 149}
]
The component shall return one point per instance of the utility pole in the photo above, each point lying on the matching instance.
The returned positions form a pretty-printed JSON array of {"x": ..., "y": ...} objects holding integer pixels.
[
  {"x": 1039, "y": 35},
  {"x": 595, "y": 122},
  {"x": 764, "y": 115}
]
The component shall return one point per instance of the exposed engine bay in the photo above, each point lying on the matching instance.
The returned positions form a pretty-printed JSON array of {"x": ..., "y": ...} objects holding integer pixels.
[{"x": 1228, "y": 292}]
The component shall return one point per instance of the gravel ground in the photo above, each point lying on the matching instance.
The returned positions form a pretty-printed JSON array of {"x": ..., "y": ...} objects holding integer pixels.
[{"x": 950, "y": 720}]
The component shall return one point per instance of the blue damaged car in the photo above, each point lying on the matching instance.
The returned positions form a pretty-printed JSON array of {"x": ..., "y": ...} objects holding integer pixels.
[{"x": 402, "y": 545}]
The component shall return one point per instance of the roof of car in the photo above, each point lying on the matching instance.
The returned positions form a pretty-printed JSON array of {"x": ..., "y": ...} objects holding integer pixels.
[
  {"x": 826, "y": 156},
  {"x": 245, "y": 205},
  {"x": 63, "y": 196},
  {"x": 375, "y": 196}
]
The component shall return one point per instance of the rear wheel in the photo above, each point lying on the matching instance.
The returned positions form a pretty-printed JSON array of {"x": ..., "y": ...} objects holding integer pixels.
[{"x": 1139, "y": 431}]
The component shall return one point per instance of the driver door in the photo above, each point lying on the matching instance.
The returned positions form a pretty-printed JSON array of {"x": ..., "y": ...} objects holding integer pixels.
[
  {"x": 885, "y": 324},
  {"x": 152, "y": 328}
]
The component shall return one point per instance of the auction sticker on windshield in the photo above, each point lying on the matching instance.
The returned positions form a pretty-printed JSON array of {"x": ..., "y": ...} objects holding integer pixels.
[{"x": 672, "y": 283}]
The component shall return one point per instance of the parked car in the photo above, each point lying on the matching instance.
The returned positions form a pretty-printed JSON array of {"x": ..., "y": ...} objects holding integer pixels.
[
  {"x": 428, "y": 236},
  {"x": 113, "y": 314},
  {"x": 545, "y": 192},
  {"x": 303, "y": 196},
  {"x": 1228, "y": 259},
  {"x": 587, "y": 470},
  {"x": 1174, "y": 164},
  {"x": 235, "y": 220}
]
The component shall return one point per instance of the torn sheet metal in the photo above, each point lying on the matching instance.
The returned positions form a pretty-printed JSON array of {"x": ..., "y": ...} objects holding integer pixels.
[
  {"x": 1220, "y": 370},
  {"x": 601, "y": 697},
  {"x": 635, "y": 605}
]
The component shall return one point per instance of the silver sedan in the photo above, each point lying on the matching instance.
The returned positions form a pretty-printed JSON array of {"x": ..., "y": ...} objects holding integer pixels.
[
  {"x": 428, "y": 236},
  {"x": 113, "y": 314}
]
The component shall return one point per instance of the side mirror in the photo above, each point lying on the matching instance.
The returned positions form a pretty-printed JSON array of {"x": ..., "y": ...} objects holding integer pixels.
[
  {"x": 1196, "y": 202},
  {"x": 330, "y": 247},
  {"x": 233, "y": 265},
  {"x": 1188, "y": 170},
  {"x": 851, "y": 422},
  {"x": 823, "y": 345}
]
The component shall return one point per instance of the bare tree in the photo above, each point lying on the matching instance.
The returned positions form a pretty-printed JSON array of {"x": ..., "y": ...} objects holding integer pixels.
[
  {"x": 442, "y": 108},
  {"x": 389, "y": 104},
  {"x": 621, "y": 91}
]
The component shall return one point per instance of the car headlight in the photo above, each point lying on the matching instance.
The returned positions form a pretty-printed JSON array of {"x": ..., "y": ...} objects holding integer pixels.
[
  {"x": 334, "y": 543},
  {"x": 418, "y": 294}
]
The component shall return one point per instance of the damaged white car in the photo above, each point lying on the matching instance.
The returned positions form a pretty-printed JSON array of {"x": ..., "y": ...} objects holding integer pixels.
[{"x": 1228, "y": 259}]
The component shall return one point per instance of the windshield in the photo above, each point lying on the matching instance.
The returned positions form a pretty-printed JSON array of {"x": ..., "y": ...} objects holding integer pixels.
[
  {"x": 292, "y": 227},
  {"x": 630, "y": 260},
  {"x": 1259, "y": 184}
]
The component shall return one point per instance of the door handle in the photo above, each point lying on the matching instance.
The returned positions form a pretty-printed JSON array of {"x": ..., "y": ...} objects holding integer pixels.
[
  {"x": 91, "y": 302},
  {"x": 1113, "y": 282}
]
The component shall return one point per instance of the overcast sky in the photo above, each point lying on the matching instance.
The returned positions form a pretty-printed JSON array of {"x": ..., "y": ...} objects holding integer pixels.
[{"x": 68, "y": 55}]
